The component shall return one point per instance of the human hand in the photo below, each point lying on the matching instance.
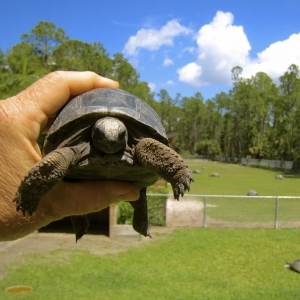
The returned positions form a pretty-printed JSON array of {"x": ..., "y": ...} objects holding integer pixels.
[{"x": 22, "y": 119}]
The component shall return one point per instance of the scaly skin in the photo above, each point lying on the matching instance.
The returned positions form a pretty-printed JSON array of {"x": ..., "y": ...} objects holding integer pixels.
[
  {"x": 44, "y": 175},
  {"x": 166, "y": 162},
  {"x": 80, "y": 225},
  {"x": 140, "y": 214}
]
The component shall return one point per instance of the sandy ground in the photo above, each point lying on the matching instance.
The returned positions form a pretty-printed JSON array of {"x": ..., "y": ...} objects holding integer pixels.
[
  {"x": 188, "y": 212},
  {"x": 184, "y": 213}
]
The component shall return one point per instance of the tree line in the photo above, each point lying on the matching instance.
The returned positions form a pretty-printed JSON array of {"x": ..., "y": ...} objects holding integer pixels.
[{"x": 256, "y": 118}]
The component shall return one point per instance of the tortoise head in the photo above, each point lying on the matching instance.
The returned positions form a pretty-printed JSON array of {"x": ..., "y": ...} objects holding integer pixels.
[
  {"x": 288, "y": 265},
  {"x": 109, "y": 135}
]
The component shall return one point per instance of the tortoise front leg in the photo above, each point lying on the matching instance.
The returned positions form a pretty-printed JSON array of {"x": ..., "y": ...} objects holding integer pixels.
[
  {"x": 44, "y": 175},
  {"x": 140, "y": 214},
  {"x": 165, "y": 162}
]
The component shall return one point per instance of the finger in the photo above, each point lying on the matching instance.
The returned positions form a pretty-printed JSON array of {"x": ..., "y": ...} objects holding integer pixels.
[
  {"x": 62, "y": 85},
  {"x": 89, "y": 196},
  {"x": 45, "y": 97}
]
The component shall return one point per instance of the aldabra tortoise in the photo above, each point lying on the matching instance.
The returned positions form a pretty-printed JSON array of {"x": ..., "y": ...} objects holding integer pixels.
[
  {"x": 105, "y": 134},
  {"x": 214, "y": 174},
  {"x": 294, "y": 266},
  {"x": 252, "y": 193}
]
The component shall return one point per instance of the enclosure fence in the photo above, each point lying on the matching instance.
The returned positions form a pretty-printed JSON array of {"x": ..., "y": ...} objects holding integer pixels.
[{"x": 232, "y": 211}]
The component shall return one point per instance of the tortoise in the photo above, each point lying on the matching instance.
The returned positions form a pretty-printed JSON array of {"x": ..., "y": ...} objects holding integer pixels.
[
  {"x": 214, "y": 174},
  {"x": 252, "y": 193},
  {"x": 294, "y": 266},
  {"x": 105, "y": 134}
]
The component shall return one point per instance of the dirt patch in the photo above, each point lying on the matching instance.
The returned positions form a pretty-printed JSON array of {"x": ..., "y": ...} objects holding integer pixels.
[
  {"x": 185, "y": 213},
  {"x": 45, "y": 243}
]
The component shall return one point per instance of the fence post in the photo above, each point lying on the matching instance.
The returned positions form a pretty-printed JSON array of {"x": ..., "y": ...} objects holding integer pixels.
[
  {"x": 204, "y": 212},
  {"x": 276, "y": 212}
]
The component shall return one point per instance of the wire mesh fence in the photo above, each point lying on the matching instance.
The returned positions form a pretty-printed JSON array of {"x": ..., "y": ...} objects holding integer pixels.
[{"x": 233, "y": 211}]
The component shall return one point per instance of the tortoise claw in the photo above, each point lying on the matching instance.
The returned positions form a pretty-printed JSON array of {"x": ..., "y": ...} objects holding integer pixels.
[
  {"x": 149, "y": 234},
  {"x": 182, "y": 184},
  {"x": 187, "y": 185},
  {"x": 176, "y": 194}
]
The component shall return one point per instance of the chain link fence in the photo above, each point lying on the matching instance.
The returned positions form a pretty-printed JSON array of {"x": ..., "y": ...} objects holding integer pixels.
[{"x": 233, "y": 211}]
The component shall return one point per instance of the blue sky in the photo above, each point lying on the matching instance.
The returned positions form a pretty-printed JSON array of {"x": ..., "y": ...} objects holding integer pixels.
[{"x": 184, "y": 46}]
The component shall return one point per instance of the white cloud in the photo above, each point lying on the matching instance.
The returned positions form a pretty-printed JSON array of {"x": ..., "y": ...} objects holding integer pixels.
[
  {"x": 152, "y": 39},
  {"x": 152, "y": 86},
  {"x": 189, "y": 49},
  {"x": 170, "y": 82},
  {"x": 222, "y": 46},
  {"x": 275, "y": 59},
  {"x": 191, "y": 74},
  {"x": 168, "y": 62}
]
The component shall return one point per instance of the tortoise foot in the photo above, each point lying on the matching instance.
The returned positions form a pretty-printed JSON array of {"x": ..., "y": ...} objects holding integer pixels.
[{"x": 166, "y": 162}]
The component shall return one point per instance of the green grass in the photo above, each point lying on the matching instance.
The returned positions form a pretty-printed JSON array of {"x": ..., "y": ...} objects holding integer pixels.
[
  {"x": 191, "y": 263},
  {"x": 253, "y": 210},
  {"x": 188, "y": 264},
  {"x": 238, "y": 180}
]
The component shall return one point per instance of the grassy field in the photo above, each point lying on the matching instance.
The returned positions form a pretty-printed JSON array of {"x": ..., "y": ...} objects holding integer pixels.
[
  {"x": 211, "y": 263},
  {"x": 238, "y": 180},
  {"x": 188, "y": 264}
]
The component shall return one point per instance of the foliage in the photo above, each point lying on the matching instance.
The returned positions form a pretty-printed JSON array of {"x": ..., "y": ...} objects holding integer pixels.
[
  {"x": 192, "y": 122},
  {"x": 11, "y": 84},
  {"x": 209, "y": 148},
  {"x": 125, "y": 213},
  {"x": 168, "y": 110},
  {"x": 123, "y": 72},
  {"x": 43, "y": 38},
  {"x": 2, "y": 57},
  {"x": 156, "y": 209},
  {"x": 47, "y": 48},
  {"x": 23, "y": 60},
  {"x": 74, "y": 55}
]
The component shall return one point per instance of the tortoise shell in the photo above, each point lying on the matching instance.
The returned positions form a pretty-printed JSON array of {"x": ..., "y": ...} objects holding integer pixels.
[{"x": 74, "y": 124}]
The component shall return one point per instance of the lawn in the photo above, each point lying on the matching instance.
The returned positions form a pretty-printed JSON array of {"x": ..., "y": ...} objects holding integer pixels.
[
  {"x": 238, "y": 180},
  {"x": 210, "y": 263},
  {"x": 188, "y": 264}
]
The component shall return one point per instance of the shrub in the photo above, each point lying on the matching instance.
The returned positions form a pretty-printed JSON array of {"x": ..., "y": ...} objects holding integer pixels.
[
  {"x": 125, "y": 213},
  {"x": 156, "y": 209}
]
